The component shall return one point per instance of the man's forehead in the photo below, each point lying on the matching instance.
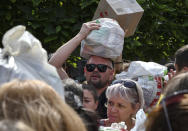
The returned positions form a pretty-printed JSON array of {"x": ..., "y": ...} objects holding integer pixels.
[{"x": 99, "y": 60}]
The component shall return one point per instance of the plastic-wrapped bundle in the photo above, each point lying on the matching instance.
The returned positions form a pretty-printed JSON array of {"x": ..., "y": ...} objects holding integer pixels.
[
  {"x": 106, "y": 42},
  {"x": 24, "y": 58}
]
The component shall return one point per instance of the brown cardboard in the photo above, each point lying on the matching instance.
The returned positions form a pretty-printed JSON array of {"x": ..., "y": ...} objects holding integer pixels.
[{"x": 127, "y": 12}]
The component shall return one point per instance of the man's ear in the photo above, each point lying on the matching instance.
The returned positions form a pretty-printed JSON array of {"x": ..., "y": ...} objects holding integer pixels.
[
  {"x": 112, "y": 74},
  {"x": 112, "y": 71}
]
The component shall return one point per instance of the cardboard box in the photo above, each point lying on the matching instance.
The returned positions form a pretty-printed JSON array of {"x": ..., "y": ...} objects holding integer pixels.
[{"x": 127, "y": 12}]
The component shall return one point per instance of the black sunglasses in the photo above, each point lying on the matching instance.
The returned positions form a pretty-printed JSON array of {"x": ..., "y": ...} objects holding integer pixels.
[
  {"x": 126, "y": 83},
  {"x": 100, "y": 67},
  {"x": 172, "y": 99}
]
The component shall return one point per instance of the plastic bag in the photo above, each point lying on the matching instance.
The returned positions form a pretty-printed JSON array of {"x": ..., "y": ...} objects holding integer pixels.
[
  {"x": 106, "y": 42},
  {"x": 24, "y": 58},
  {"x": 149, "y": 75},
  {"x": 140, "y": 120}
]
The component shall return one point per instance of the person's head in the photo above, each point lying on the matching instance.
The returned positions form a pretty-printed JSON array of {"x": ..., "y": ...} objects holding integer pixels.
[
  {"x": 73, "y": 94},
  {"x": 10, "y": 125},
  {"x": 73, "y": 97},
  {"x": 37, "y": 105},
  {"x": 181, "y": 59},
  {"x": 170, "y": 66},
  {"x": 125, "y": 98},
  {"x": 121, "y": 66},
  {"x": 90, "y": 97},
  {"x": 171, "y": 114},
  {"x": 179, "y": 82},
  {"x": 99, "y": 71}
]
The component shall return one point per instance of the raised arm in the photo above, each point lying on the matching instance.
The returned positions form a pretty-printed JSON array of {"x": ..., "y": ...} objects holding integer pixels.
[{"x": 65, "y": 50}]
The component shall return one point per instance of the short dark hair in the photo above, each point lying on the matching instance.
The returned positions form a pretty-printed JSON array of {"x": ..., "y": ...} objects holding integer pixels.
[
  {"x": 181, "y": 57},
  {"x": 92, "y": 89}
]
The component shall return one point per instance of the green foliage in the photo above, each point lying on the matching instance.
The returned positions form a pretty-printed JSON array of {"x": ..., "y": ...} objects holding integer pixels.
[
  {"x": 161, "y": 31},
  {"x": 53, "y": 22},
  {"x": 73, "y": 60}
]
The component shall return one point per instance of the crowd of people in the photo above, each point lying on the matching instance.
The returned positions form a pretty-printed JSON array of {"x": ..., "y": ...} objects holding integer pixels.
[{"x": 101, "y": 100}]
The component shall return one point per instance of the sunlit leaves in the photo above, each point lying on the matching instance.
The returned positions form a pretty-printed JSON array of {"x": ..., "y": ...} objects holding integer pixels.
[
  {"x": 49, "y": 29},
  {"x": 36, "y": 2},
  {"x": 87, "y": 3},
  {"x": 186, "y": 3},
  {"x": 13, "y": 1},
  {"x": 50, "y": 38},
  {"x": 58, "y": 29},
  {"x": 161, "y": 31},
  {"x": 60, "y": 3},
  {"x": 8, "y": 16}
]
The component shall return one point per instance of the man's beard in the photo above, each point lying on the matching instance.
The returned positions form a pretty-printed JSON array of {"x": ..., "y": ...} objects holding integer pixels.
[{"x": 99, "y": 84}]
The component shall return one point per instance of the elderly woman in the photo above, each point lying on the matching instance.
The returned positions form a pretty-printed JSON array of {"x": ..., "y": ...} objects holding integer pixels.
[{"x": 125, "y": 98}]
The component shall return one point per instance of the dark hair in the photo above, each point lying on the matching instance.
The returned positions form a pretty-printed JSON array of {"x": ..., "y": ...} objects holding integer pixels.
[
  {"x": 181, "y": 57},
  {"x": 92, "y": 89},
  {"x": 179, "y": 82},
  {"x": 170, "y": 65},
  {"x": 89, "y": 118}
]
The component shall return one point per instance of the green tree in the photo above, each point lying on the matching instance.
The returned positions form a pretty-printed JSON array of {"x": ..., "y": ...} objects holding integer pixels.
[
  {"x": 53, "y": 22},
  {"x": 161, "y": 31}
]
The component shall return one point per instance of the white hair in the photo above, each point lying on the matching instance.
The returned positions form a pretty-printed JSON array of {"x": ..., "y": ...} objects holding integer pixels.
[{"x": 133, "y": 95}]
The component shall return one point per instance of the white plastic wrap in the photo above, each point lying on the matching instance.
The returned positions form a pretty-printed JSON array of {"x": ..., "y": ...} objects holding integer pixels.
[
  {"x": 106, "y": 42},
  {"x": 24, "y": 58},
  {"x": 140, "y": 120},
  {"x": 121, "y": 126}
]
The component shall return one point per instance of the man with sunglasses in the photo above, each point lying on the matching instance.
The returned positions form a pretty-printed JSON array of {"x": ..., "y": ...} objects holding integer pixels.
[
  {"x": 63, "y": 52},
  {"x": 98, "y": 70},
  {"x": 99, "y": 73}
]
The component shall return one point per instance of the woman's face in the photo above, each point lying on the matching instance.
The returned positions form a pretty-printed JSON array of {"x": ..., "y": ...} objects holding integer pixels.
[
  {"x": 119, "y": 109},
  {"x": 88, "y": 100}
]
